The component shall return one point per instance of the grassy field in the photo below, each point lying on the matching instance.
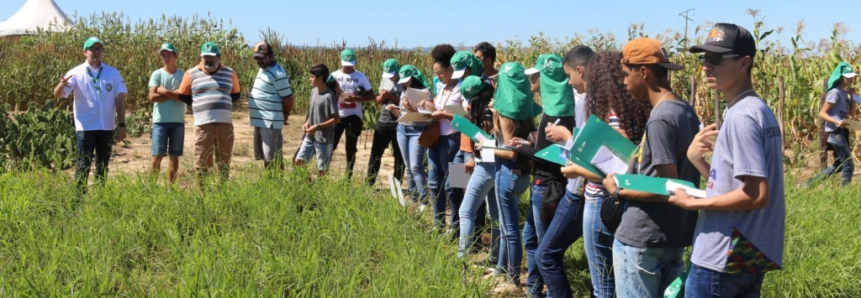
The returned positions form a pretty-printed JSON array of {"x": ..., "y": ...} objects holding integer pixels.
[{"x": 268, "y": 237}]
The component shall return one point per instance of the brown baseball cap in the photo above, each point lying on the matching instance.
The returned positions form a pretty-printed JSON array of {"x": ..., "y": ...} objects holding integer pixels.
[
  {"x": 647, "y": 51},
  {"x": 262, "y": 49}
]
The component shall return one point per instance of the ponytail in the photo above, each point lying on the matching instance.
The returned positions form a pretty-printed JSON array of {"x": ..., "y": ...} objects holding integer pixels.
[{"x": 321, "y": 71}]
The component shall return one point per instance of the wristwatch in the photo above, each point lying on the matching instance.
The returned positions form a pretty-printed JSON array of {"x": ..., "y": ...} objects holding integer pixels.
[{"x": 121, "y": 125}]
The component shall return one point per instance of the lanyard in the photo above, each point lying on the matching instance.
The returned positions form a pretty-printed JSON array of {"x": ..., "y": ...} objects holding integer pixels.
[{"x": 95, "y": 79}]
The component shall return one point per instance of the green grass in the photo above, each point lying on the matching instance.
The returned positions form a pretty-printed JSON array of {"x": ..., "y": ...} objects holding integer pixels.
[
  {"x": 268, "y": 237},
  {"x": 253, "y": 236}
]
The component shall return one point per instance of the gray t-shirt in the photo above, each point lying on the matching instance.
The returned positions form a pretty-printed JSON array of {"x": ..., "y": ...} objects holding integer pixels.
[
  {"x": 385, "y": 115},
  {"x": 323, "y": 106},
  {"x": 670, "y": 130},
  {"x": 749, "y": 144},
  {"x": 839, "y": 101}
]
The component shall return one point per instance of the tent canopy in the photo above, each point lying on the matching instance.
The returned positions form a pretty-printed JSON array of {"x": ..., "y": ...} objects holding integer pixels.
[{"x": 35, "y": 14}]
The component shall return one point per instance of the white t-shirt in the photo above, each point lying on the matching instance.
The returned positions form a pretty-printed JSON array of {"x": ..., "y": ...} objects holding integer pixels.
[
  {"x": 350, "y": 83},
  {"x": 94, "y": 105},
  {"x": 454, "y": 98}
]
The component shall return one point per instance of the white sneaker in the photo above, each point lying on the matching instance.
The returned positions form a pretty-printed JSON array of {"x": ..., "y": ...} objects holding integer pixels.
[{"x": 422, "y": 207}]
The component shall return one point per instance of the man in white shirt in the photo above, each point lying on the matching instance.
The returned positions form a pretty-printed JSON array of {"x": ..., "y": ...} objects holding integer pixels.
[
  {"x": 356, "y": 89},
  {"x": 99, "y": 93}
]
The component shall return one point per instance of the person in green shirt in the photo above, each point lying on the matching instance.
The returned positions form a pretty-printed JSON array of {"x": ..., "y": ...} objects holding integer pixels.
[{"x": 168, "y": 116}]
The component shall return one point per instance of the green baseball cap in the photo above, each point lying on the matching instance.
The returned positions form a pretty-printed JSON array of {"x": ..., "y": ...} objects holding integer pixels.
[
  {"x": 348, "y": 57},
  {"x": 548, "y": 64},
  {"x": 91, "y": 41},
  {"x": 842, "y": 70},
  {"x": 463, "y": 60},
  {"x": 513, "y": 97},
  {"x": 471, "y": 86},
  {"x": 209, "y": 49},
  {"x": 390, "y": 68},
  {"x": 408, "y": 71},
  {"x": 167, "y": 47}
]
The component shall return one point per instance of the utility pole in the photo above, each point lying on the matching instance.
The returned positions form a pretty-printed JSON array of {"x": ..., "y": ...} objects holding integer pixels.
[{"x": 684, "y": 14}]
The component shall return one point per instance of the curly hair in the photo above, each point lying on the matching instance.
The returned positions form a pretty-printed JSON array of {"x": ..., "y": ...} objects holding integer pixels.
[
  {"x": 442, "y": 54},
  {"x": 607, "y": 92}
]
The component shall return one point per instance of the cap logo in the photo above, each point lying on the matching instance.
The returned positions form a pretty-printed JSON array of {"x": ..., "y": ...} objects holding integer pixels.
[
  {"x": 715, "y": 35},
  {"x": 664, "y": 52},
  {"x": 507, "y": 69}
]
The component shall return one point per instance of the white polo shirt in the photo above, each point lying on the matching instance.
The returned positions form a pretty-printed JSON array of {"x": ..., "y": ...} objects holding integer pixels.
[{"x": 94, "y": 108}]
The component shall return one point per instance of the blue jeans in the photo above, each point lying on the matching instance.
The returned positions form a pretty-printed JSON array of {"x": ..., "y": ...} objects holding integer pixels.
[
  {"x": 324, "y": 153},
  {"x": 480, "y": 187},
  {"x": 705, "y": 283},
  {"x": 438, "y": 159},
  {"x": 839, "y": 141},
  {"x": 414, "y": 156},
  {"x": 167, "y": 139},
  {"x": 92, "y": 144},
  {"x": 510, "y": 185},
  {"x": 533, "y": 232},
  {"x": 566, "y": 227},
  {"x": 644, "y": 271},
  {"x": 598, "y": 242}
]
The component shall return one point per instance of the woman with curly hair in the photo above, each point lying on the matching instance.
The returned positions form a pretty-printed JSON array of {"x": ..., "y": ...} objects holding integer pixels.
[
  {"x": 444, "y": 151},
  {"x": 608, "y": 99}
]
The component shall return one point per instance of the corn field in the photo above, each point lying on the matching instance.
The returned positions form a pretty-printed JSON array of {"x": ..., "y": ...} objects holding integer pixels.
[{"x": 32, "y": 64}]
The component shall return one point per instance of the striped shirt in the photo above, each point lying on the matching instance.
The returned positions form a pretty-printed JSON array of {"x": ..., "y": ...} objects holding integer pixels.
[
  {"x": 266, "y": 98},
  {"x": 211, "y": 93}
]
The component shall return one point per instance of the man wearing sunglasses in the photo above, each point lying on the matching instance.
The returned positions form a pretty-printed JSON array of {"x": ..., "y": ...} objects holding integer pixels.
[
  {"x": 740, "y": 231},
  {"x": 99, "y": 93}
]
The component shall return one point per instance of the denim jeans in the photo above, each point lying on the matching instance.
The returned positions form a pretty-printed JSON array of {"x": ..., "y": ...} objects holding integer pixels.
[
  {"x": 839, "y": 141},
  {"x": 644, "y": 271},
  {"x": 480, "y": 187},
  {"x": 510, "y": 185},
  {"x": 438, "y": 159},
  {"x": 92, "y": 143},
  {"x": 533, "y": 232},
  {"x": 566, "y": 227},
  {"x": 414, "y": 156},
  {"x": 167, "y": 139},
  {"x": 323, "y": 151},
  {"x": 705, "y": 283},
  {"x": 598, "y": 242}
]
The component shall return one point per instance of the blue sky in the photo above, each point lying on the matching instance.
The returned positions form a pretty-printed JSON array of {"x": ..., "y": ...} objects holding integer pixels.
[{"x": 417, "y": 23}]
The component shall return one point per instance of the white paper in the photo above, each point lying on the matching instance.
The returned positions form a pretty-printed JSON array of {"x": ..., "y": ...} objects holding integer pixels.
[
  {"x": 608, "y": 162},
  {"x": 457, "y": 110},
  {"x": 393, "y": 186},
  {"x": 697, "y": 193},
  {"x": 488, "y": 155},
  {"x": 416, "y": 96},
  {"x": 854, "y": 125},
  {"x": 415, "y": 117},
  {"x": 400, "y": 193},
  {"x": 458, "y": 177}
]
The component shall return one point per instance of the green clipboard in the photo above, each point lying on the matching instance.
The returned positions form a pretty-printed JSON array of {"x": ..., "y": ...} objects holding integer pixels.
[
  {"x": 591, "y": 137},
  {"x": 555, "y": 154},
  {"x": 470, "y": 130},
  {"x": 649, "y": 184}
]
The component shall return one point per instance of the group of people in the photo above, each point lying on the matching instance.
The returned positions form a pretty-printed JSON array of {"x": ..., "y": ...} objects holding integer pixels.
[{"x": 737, "y": 231}]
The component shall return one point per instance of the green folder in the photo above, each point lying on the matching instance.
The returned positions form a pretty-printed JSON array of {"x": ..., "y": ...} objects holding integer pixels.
[
  {"x": 465, "y": 127},
  {"x": 594, "y": 134},
  {"x": 649, "y": 184},
  {"x": 555, "y": 154}
]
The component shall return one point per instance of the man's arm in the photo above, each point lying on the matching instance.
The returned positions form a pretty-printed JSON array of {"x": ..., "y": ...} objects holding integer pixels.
[
  {"x": 184, "y": 91},
  {"x": 664, "y": 171},
  {"x": 155, "y": 97},
  {"x": 753, "y": 195},
  {"x": 120, "y": 103},
  {"x": 287, "y": 107},
  {"x": 236, "y": 92},
  {"x": 66, "y": 81}
]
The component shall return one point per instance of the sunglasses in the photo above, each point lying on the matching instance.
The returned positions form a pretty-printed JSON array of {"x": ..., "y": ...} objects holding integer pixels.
[
  {"x": 715, "y": 59},
  {"x": 95, "y": 49}
]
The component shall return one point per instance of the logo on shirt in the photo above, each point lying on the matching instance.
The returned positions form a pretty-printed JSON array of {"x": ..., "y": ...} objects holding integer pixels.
[
  {"x": 712, "y": 177},
  {"x": 109, "y": 87}
]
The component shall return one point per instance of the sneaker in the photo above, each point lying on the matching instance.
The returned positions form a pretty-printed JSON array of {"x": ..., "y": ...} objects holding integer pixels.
[{"x": 422, "y": 207}]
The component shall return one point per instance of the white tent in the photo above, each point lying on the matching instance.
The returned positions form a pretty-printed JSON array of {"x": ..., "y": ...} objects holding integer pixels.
[{"x": 35, "y": 14}]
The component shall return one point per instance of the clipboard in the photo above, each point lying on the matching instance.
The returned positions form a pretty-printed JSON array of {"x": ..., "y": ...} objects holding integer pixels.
[
  {"x": 458, "y": 110},
  {"x": 852, "y": 124},
  {"x": 416, "y": 95},
  {"x": 408, "y": 116}
]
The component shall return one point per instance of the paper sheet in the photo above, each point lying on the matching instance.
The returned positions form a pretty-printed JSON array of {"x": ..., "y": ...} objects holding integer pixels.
[
  {"x": 457, "y": 110},
  {"x": 458, "y": 177},
  {"x": 853, "y": 125},
  {"x": 415, "y": 117},
  {"x": 416, "y": 95},
  {"x": 608, "y": 162},
  {"x": 487, "y": 155},
  {"x": 697, "y": 193},
  {"x": 393, "y": 186}
]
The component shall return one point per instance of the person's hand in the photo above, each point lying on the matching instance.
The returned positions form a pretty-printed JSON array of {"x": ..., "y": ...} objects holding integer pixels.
[
  {"x": 478, "y": 144},
  {"x": 517, "y": 142},
  {"x": 64, "y": 81},
  {"x": 572, "y": 170},
  {"x": 348, "y": 97},
  {"x": 313, "y": 129},
  {"x": 842, "y": 124},
  {"x": 121, "y": 134},
  {"x": 490, "y": 105},
  {"x": 610, "y": 183},
  {"x": 469, "y": 166},
  {"x": 702, "y": 142},
  {"x": 305, "y": 127},
  {"x": 286, "y": 119},
  {"x": 427, "y": 105},
  {"x": 391, "y": 107},
  {"x": 557, "y": 133},
  {"x": 437, "y": 115},
  {"x": 682, "y": 199},
  {"x": 409, "y": 106}
]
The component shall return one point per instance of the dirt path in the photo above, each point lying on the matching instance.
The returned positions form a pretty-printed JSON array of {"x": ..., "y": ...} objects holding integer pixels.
[{"x": 137, "y": 156}]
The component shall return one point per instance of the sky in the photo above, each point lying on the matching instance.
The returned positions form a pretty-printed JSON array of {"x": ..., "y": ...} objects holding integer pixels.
[{"x": 427, "y": 23}]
